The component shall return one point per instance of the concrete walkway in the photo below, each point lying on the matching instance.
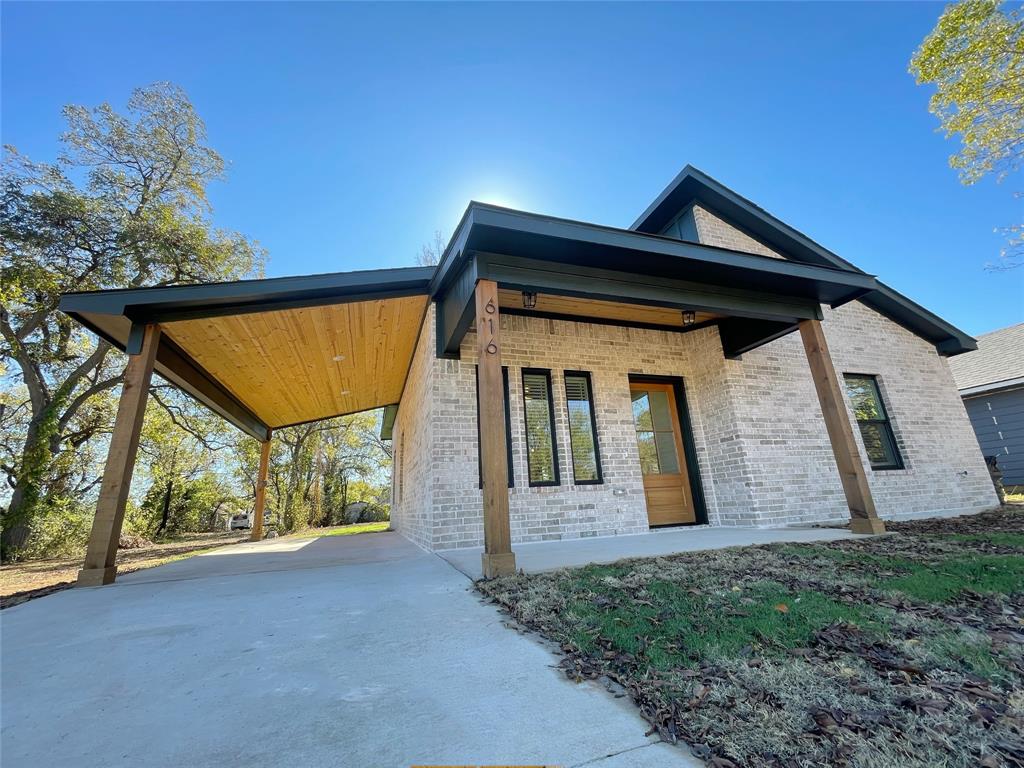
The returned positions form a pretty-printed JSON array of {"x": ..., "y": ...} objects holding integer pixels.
[
  {"x": 549, "y": 555},
  {"x": 342, "y": 651}
]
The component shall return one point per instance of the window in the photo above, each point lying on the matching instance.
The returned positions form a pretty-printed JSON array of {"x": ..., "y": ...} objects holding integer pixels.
[
  {"x": 541, "y": 457},
  {"x": 508, "y": 430},
  {"x": 875, "y": 428},
  {"x": 586, "y": 457}
]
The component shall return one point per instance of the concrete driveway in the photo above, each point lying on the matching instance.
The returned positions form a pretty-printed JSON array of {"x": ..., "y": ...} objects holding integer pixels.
[{"x": 342, "y": 651}]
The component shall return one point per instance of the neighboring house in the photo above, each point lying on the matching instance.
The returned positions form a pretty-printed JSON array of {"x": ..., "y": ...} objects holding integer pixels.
[
  {"x": 708, "y": 365},
  {"x": 991, "y": 382}
]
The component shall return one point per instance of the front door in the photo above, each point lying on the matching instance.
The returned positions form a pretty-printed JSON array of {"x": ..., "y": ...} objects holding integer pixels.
[{"x": 662, "y": 461}]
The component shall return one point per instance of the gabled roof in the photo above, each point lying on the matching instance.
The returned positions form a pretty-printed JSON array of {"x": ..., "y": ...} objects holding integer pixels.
[
  {"x": 998, "y": 362},
  {"x": 693, "y": 185}
]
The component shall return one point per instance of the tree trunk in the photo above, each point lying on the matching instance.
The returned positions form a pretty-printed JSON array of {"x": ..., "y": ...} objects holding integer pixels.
[
  {"x": 35, "y": 459},
  {"x": 167, "y": 508},
  {"x": 213, "y": 516}
]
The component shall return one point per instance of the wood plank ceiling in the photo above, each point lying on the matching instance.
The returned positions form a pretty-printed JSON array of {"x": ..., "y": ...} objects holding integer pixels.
[
  {"x": 296, "y": 365},
  {"x": 600, "y": 310}
]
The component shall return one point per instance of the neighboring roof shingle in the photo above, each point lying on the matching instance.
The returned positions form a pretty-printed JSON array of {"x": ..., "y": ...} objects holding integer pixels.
[{"x": 999, "y": 358}]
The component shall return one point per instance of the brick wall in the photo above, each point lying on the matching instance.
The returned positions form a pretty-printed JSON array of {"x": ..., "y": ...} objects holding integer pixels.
[
  {"x": 414, "y": 444},
  {"x": 761, "y": 444},
  {"x": 713, "y": 230}
]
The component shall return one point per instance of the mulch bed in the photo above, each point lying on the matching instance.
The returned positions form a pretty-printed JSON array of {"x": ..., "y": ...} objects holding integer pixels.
[{"x": 919, "y": 677}]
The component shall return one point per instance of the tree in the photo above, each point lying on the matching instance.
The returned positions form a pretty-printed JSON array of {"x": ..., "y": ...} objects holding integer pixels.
[
  {"x": 975, "y": 59},
  {"x": 314, "y": 466},
  {"x": 124, "y": 206},
  {"x": 431, "y": 253}
]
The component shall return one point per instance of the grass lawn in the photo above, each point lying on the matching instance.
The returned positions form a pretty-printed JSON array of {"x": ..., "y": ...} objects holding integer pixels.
[
  {"x": 906, "y": 649},
  {"x": 343, "y": 530}
]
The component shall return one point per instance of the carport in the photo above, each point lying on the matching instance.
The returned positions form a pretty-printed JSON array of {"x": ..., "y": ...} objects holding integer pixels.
[{"x": 263, "y": 354}]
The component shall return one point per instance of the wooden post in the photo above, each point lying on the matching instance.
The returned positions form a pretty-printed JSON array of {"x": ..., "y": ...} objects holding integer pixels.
[
  {"x": 101, "y": 555},
  {"x": 498, "y": 558},
  {"x": 863, "y": 517},
  {"x": 261, "y": 491}
]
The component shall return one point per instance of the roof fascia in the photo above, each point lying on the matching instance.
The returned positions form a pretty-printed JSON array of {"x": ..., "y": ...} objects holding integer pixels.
[
  {"x": 182, "y": 302},
  {"x": 692, "y": 184}
]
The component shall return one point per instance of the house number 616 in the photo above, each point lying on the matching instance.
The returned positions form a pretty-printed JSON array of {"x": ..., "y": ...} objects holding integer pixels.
[{"x": 490, "y": 309}]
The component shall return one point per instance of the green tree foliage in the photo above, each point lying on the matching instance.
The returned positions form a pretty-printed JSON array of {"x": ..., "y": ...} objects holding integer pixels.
[
  {"x": 183, "y": 446},
  {"x": 124, "y": 206},
  {"x": 975, "y": 59},
  {"x": 317, "y": 470}
]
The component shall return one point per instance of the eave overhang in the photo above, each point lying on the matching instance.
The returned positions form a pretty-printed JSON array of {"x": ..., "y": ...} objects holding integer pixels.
[
  {"x": 531, "y": 252},
  {"x": 118, "y": 316}
]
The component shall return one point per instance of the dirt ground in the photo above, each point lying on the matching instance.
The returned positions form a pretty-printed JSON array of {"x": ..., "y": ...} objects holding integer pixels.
[
  {"x": 898, "y": 650},
  {"x": 24, "y": 581}
]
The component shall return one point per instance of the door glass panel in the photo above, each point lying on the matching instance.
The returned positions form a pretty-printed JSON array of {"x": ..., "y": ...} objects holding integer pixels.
[
  {"x": 667, "y": 452},
  {"x": 642, "y": 410},
  {"x": 655, "y": 435},
  {"x": 659, "y": 411},
  {"x": 648, "y": 453}
]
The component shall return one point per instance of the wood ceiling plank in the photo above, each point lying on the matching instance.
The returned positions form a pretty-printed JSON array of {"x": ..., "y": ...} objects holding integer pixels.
[
  {"x": 281, "y": 364},
  {"x": 600, "y": 310}
]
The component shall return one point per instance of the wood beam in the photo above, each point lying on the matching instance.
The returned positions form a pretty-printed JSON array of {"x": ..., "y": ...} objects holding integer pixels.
[
  {"x": 101, "y": 555},
  {"x": 863, "y": 517},
  {"x": 261, "y": 492},
  {"x": 498, "y": 558}
]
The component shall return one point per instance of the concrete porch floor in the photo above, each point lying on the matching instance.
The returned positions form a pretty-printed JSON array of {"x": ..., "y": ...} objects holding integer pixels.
[{"x": 549, "y": 555}]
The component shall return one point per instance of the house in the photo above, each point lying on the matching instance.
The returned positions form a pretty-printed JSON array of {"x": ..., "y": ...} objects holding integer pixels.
[
  {"x": 991, "y": 382},
  {"x": 556, "y": 379}
]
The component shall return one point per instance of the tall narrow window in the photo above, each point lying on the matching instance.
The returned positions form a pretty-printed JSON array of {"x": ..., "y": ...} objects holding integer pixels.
[
  {"x": 508, "y": 429},
  {"x": 541, "y": 457},
  {"x": 875, "y": 428},
  {"x": 586, "y": 456}
]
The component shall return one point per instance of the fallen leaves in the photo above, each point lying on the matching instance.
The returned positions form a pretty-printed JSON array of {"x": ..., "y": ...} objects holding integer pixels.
[{"x": 848, "y": 695}]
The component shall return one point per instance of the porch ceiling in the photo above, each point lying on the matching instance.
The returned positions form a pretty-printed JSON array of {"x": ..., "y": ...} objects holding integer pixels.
[
  {"x": 271, "y": 353},
  {"x": 611, "y": 312}
]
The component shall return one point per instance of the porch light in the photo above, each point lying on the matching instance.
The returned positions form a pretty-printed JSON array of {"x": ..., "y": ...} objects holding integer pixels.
[
  {"x": 689, "y": 317},
  {"x": 529, "y": 300},
  {"x": 344, "y": 392},
  {"x": 338, "y": 358}
]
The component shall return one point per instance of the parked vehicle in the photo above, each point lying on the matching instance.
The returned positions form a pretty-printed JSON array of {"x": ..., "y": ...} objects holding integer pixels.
[{"x": 239, "y": 521}]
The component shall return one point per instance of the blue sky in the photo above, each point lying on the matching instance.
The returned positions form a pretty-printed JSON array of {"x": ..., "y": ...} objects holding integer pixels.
[{"x": 354, "y": 131}]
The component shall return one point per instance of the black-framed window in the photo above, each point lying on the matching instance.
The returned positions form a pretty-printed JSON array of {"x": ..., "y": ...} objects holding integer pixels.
[
  {"x": 539, "y": 420},
  {"x": 579, "y": 402},
  {"x": 873, "y": 420},
  {"x": 508, "y": 430}
]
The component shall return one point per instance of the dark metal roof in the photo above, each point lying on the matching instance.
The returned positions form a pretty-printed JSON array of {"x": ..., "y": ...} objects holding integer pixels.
[
  {"x": 492, "y": 229},
  {"x": 694, "y": 185}
]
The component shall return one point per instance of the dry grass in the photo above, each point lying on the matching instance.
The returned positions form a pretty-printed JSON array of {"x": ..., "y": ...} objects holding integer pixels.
[
  {"x": 900, "y": 650},
  {"x": 35, "y": 578}
]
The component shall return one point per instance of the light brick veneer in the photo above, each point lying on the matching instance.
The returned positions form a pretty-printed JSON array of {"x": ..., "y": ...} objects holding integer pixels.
[{"x": 760, "y": 440}]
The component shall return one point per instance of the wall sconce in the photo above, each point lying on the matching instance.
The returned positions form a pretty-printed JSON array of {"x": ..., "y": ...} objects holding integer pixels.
[
  {"x": 529, "y": 300},
  {"x": 689, "y": 317}
]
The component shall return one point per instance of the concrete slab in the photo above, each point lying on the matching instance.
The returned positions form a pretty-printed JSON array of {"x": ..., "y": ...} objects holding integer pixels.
[
  {"x": 549, "y": 555},
  {"x": 353, "y": 651}
]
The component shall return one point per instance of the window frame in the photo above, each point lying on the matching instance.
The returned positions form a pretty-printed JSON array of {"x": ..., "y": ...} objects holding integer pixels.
[
  {"x": 546, "y": 373},
  {"x": 599, "y": 480},
  {"x": 508, "y": 428},
  {"x": 884, "y": 423}
]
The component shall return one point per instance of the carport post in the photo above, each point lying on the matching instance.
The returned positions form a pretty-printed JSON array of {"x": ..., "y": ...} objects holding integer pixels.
[
  {"x": 498, "y": 558},
  {"x": 261, "y": 490},
  {"x": 99, "y": 567},
  {"x": 863, "y": 517}
]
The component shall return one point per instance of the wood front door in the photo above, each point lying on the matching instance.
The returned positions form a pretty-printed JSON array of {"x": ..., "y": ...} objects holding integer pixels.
[{"x": 662, "y": 460}]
